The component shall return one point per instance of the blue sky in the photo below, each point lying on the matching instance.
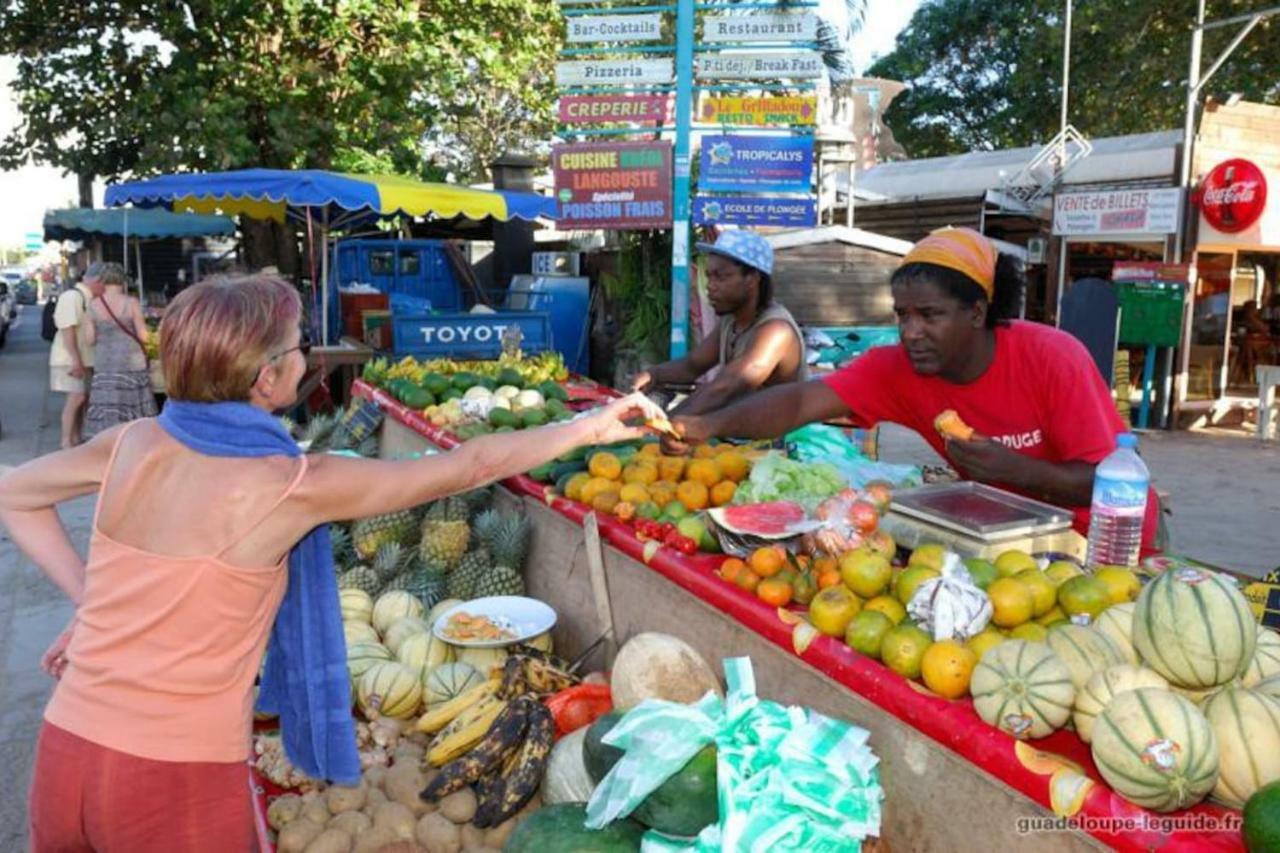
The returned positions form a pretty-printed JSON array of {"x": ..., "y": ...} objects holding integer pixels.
[{"x": 29, "y": 192}]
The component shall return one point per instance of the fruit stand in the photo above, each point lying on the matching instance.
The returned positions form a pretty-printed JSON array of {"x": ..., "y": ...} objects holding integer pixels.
[{"x": 951, "y": 781}]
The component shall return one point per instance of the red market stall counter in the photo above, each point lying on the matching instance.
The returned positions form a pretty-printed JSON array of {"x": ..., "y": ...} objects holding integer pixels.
[{"x": 980, "y": 791}]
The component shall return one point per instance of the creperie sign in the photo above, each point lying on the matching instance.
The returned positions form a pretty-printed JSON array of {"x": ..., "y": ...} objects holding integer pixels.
[{"x": 1233, "y": 195}]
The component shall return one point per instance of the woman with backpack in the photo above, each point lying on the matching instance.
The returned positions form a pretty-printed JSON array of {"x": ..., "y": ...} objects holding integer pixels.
[{"x": 121, "y": 388}]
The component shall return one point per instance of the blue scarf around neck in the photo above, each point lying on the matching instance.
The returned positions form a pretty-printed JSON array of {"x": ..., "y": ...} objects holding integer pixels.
[{"x": 305, "y": 678}]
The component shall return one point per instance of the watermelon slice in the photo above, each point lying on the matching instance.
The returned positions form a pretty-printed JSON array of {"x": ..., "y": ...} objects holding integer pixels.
[{"x": 774, "y": 520}]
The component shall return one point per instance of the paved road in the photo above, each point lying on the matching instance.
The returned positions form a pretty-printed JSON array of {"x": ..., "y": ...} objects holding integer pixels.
[{"x": 32, "y": 610}]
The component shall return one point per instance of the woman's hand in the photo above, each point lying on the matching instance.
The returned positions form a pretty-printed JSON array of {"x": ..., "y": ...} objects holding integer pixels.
[
  {"x": 608, "y": 424},
  {"x": 54, "y": 661}
]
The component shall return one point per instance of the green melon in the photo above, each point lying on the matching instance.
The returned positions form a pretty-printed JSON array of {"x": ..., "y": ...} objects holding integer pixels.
[
  {"x": 1261, "y": 815},
  {"x": 1266, "y": 658},
  {"x": 1085, "y": 651},
  {"x": 1247, "y": 726},
  {"x": 1023, "y": 689},
  {"x": 363, "y": 655},
  {"x": 1194, "y": 627},
  {"x": 598, "y": 756},
  {"x": 1097, "y": 693},
  {"x": 449, "y": 680},
  {"x": 559, "y": 829},
  {"x": 389, "y": 689},
  {"x": 1156, "y": 749}
]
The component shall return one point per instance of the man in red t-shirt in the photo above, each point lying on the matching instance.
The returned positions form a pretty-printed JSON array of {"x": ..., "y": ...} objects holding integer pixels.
[{"x": 1041, "y": 413}]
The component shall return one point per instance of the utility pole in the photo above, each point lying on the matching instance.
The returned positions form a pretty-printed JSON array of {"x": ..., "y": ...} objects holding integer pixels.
[{"x": 1066, "y": 65}]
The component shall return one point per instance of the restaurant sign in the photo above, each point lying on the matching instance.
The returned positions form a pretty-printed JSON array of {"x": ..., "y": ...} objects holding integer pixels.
[
  {"x": 619, "y": 185},
  {"x": 1138, "y": 211},
  {"x": 603, "y": 109},
  {"x": 756, "y": 163},
  {"x": 614, "y": 71},
  {"x": 766, "y": 111},
  {"x": 759, "y": 65},
  {"x": 755, "y": 210},
  {"x": 763, "y": 28}
]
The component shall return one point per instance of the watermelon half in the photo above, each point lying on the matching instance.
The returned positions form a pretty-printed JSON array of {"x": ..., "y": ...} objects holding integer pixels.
[{"x": 743, "y": 528}]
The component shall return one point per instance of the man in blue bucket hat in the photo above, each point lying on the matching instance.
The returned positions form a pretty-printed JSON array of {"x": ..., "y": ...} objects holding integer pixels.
[{"x": 757, "y": 343}]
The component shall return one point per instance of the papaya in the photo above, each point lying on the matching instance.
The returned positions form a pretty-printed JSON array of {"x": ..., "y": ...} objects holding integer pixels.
[
  {"x": 564, "y": 470},
  {"x": 543, "y": 472},
  {"x": 416, "y": 397},
  {"x": 464, "y": 380},
  {"x": 510, "y": 376},
  {"x": 435, "y": 383},
  {"x": 552, "y": 390},
  {"x": 560, "y": 828}
]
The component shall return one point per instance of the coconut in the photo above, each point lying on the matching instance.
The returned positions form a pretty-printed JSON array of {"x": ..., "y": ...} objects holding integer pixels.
[{"x": 659, "y": 666}]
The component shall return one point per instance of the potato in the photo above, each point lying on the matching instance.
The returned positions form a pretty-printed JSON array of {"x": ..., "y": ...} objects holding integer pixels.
[
  {"x": 404, "y": 847},
  {"x": 374, "y": 798},
  {"x": 408, "y": 752},
  {"x": 375, "y": 776},
  {"x": 472, "y": 836},
  {"x": 404, "y": 786},
  {"x": 396, "y": 817},
  {"x": 316, "y": 811},
  {"x": 439, "y": 834},
  {"x": 341, "y": 798},
  {"x": 373, "y": 840},
  {"x": 460, "y": 806},
  {"x": 295, "y": 837},
  {"x": 330, "y": 841},
  {"x": 282, "y": 810},
  {"x": 352, "y": 823}
]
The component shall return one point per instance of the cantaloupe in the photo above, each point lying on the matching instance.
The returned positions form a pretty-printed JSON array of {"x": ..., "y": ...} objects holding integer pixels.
[
  {"x": 1247, "y": 726},
  {"x": 1194, "y": 627},
  {"x": 1098, "y": 691},
  {"x": 1085, "y": 651},
  {"x": 356, "y": 632},
  {"x": 394, "y": 605},
  {"x": 423, "y": 652},
  {"x": 1116, "y": 622},
  {"x": 356, "y": 604},
  {"x": 484, "y": 660},
  {"x": 401, "y": 630},
  {"x": 1266, "y": 658},
  {"x": 389, "y": 689},
  {"x": 659, "y": 666},
  {"x": 448, "y": 680},
  {"x": 364, "y": 654},
  {"x": 1269, "y": 686},
  {"x": 1156, "y": 749},
  {"x": 1023, "y": 689},
  {"x": 1197, "y": 697}
]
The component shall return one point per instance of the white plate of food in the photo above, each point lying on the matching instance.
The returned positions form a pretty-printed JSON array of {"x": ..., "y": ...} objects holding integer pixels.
[{"x": 499, "y": 620}]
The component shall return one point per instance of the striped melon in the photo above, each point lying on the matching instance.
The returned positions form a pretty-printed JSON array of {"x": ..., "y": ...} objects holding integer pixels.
[
  {"x": 1023, "y": 689},
  {"x": 1266, "y": 657},
  {"x": 389, "y": 689},
  {"x": 484, "y": 660},
  {"x": 1269, "y": 686},
  {"x": 356, "y": 604},
  {"x": 423, "y": 652},
  {"x": 394, "y": 605},
  {"x": 356, "y": 632},
  {"x": 441, "y": 608},
  {"x": 450, "y": 679},
  {"x": 1194, "y": 627},
  {"x": 364, "y": 654},
  {"x": 1085, "y": 650},
  {"x": 401, "y": 630},
  {"x": 1116, "y": 622},
  {"x": 1247, "y": 725},
  {"x": 1156, "y": 749},
  {"x": 1098, "y": 691},
  {"x": 1197, "y": 697}
]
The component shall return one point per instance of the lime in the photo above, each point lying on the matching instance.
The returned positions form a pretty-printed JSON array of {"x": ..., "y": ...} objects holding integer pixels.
[{"x": 867, "y": 631}]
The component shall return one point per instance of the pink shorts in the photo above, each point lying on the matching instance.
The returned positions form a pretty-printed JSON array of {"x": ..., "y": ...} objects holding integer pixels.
[{"x": 85, "y": 797}]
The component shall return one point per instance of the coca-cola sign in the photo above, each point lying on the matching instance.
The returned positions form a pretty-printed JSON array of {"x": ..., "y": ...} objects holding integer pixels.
[{"x": 1233, "y": 195}]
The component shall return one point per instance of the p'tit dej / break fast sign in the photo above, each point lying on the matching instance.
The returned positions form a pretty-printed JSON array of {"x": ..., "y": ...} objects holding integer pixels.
[{"x": 618, "y": 185}]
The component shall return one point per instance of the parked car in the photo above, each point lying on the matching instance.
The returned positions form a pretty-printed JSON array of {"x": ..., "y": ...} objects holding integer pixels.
[
  {"x": 8, "y": 310},
  {"x": 26, "y": 292}
]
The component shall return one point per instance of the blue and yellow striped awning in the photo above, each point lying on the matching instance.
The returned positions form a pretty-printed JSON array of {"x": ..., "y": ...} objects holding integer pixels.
[{"x": 273, "y": 193}]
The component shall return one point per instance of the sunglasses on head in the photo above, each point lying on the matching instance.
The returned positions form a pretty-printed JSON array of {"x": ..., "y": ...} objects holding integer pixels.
[{"x": 304, "y": 347}]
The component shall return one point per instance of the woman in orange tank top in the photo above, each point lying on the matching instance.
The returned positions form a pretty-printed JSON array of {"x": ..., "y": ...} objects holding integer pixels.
[{"x": 147, "y": 736}]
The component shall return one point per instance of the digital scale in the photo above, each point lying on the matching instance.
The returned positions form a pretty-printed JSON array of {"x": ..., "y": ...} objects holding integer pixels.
[{"x": 977, "y": 520}]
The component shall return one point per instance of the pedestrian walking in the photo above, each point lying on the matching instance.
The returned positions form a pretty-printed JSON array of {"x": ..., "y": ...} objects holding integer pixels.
[
  {"x": 71, "y": 356},
  {"x": 121, "y": 387}
]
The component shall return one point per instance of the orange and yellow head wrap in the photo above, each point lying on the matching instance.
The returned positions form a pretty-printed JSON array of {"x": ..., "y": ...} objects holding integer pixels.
[{"x": 960, "y": 249}]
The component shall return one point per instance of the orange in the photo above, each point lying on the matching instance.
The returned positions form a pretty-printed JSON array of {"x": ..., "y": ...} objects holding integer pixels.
[
  {"x": 1012, "y": 601},
  {"x": 573, "y": 488},
  {"x": 947, "y": 667},
  {"x": 605, "y": 502},
  {"x": 730, "y": 568},
  {"x": 906, "y": 583},
  {"x": 704, "y": 471},
  {"x": 1085, "y": 594},
  {"x": 1121, "y": 583},
  {"x": 722, "y": 493},
  {"x": 1011, "y": 562},
  {"x": 643, "y": 472},
  {"x": 1057, "y": 614},
  {"x": 833, "y": 609},
  {"x": 733, "y": 465},
  {"x": 652, "y": 450},
  {"x": 865, "y": 572},
  {"x": 693, "y": 495},
  {"x": 671, "y": 468},
  {"x": 747, "y": 580},
  {"x": 662, "y": 493},
  {"x": 1043, "y": 590},
  {"x": 1061, "y": 571},
  {"x": 866, "y": 633},
  {"x": 704, "y": 451},
  {"x": 1031, "y": 632},
  {"x": 774, "y": 591},
  {"x": 596, "y": 486},
  {"x": 624, "y": 510},
  {"x": 804, "y": 589},
  {"x": 929, "y": 555},
  {"x": 985, "y": 639},
  {"x": 605, "y": 465},
  {"x": 903, "y": 649},
  {"x": 825, "y": 564},
  {"x": 767, "y": 561},
  {"x": 830, "y": 577},
  {"x": 889, "y": 606},
  {"x": 634, "y": 493}
]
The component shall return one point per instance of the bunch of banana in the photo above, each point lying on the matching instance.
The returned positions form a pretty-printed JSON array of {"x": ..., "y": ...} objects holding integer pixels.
[
  {"x": 444, "y": 713},
  {"x": 504, "y": 737},
  {"x": 466, "y": 730},
  {"x": 530, "y": 671},
  {"x": 505, "y": 792}
]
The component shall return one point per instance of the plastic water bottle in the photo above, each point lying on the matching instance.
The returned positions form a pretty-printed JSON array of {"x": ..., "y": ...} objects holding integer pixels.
[{"x": 1119, "y": 506}]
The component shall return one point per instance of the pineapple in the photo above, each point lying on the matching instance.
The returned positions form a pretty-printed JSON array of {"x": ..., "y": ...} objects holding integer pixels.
[
  {"x": 344, "y": 553},
  {"x": 370, "y": 534},
  {"x": 464, "y": 579},
  {"x": 500, "y": 580},
  {"x": 391, "y": 560},
  {"x": 361, "y": 577},
  {"x": 318, "y": 432},
  {"x": 444, "y": 542},
  {"x": 506, "y": 535},
  {"x": 425, "y": 583},
  {"x": 478, "y": 499}
]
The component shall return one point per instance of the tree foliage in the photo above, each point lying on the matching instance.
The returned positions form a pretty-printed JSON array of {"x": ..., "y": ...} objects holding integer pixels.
[
  {"x": 987, "y": 74},
  {"x": 109, "y": 88}
]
